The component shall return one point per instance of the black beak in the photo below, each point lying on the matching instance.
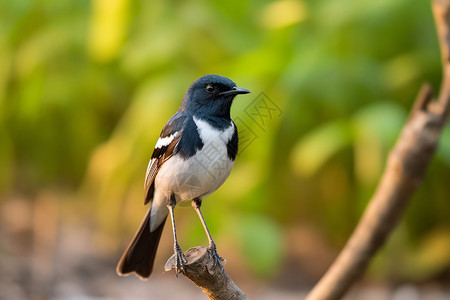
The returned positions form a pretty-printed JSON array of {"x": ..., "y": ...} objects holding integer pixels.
[{"x": 235, "y": 91}]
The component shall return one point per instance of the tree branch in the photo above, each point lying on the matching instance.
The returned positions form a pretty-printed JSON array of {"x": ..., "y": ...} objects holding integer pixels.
[
  {"x": 405, "y": 170},
  {"x": 202, "y": 270}
]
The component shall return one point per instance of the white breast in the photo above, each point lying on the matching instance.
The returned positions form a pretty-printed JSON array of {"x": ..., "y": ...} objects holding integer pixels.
[{"x": 201, "y": 174}]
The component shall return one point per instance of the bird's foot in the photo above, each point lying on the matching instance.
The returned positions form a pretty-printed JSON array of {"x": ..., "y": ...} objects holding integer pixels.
[
  {"x": 180, "y": 260},
  {"x": 217, "y": 258}
]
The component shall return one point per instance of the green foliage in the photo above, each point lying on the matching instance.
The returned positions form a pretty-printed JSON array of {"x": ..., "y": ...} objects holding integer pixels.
[
  {"x": 86, "y": 86},
  {"x": 261, "y": 241}
]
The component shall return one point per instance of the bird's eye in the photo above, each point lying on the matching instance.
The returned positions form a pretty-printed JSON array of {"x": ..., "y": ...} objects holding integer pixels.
[{"x": 210, "y": 88}]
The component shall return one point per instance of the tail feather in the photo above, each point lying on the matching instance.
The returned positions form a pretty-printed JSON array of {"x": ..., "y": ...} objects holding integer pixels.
[{"x": 140, "y": 255}]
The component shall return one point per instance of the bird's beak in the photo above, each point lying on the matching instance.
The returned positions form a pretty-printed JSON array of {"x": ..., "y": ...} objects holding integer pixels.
[{"x": 235, "y": 91}]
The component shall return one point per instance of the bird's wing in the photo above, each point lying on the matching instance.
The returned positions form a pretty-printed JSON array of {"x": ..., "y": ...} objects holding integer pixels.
[{"x": 164, "y": 149}]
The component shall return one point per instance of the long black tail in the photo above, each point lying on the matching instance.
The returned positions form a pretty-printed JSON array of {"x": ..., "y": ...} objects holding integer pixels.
[{"x": 140, "y": 254}]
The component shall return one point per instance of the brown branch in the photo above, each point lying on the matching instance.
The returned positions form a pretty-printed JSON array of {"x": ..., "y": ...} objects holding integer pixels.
[
  {"x": 405, "y": 170},
  {"x": 202, "y": 270}
]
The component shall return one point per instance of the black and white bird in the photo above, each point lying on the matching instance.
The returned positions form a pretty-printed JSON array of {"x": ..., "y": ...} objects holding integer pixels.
[{"x": 192, "y": 158}]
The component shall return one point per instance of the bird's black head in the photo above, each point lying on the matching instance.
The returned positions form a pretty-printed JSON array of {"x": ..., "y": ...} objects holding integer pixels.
[{"x": 211, "y": 95}]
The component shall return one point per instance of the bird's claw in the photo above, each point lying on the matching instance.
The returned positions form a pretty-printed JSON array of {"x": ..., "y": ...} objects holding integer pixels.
[
  {"x": 218, "y": 260},
  {"x": 180, "y": 260}
]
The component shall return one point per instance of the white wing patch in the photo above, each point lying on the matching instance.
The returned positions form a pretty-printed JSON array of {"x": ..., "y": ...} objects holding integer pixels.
[{"x": 165, "y": 141}]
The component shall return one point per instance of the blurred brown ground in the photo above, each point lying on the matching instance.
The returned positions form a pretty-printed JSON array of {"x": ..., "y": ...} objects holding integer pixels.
[{"x": 47, "y": 253}]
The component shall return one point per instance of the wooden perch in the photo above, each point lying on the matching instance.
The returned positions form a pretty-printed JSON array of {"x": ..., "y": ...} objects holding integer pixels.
[
  {"x": 404, "y": 172},
  {"x": 201, "y": 269}
]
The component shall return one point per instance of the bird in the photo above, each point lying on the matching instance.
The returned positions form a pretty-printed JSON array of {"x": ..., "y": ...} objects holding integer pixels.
[{"x": 192, "y": 158}]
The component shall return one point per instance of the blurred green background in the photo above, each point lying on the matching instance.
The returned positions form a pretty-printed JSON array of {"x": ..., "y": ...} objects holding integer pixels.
[{"x": 86, "y": 86}]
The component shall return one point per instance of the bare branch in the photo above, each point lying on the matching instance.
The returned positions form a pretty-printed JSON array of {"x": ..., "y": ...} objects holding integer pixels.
[
  {"x": 441, "y": 12},
  {"x": 202, "y": 270},
  {"x": 404, "y": 172}
]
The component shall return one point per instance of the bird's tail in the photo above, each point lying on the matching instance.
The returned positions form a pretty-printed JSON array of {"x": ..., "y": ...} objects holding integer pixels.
[{"x": 140, "y": 254}]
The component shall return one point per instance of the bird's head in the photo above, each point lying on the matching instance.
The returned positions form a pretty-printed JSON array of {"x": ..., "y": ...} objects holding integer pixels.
[{"x": 211, "y": 95}]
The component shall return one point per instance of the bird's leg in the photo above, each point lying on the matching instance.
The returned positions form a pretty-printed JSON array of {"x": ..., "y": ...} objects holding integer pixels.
[
  {"x": 196, "y": 203},
  {"x": 179, "y": 256}
]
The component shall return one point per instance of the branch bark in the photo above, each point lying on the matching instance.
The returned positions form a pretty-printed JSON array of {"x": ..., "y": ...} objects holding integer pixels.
[
  {"x": 405, "y": 170},
  {"x": 201, "y": 269}
]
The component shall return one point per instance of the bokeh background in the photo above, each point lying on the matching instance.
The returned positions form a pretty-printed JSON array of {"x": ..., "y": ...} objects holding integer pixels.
[{"x": 86, "y": 86}]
